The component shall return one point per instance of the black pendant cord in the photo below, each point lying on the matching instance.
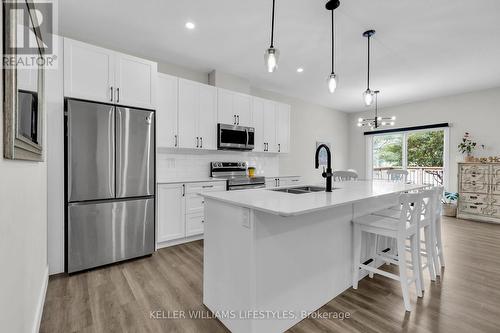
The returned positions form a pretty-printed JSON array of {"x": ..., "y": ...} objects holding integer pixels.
[
  {"x": 368, "y": 78},
  {"x": 272, "y": 27},
  {"x": 333, "y": 44},
  {"x": 376, "y": 109}
]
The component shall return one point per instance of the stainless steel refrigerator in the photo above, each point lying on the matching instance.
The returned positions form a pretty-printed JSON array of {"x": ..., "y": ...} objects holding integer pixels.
[{"x": 110, "y": 184}]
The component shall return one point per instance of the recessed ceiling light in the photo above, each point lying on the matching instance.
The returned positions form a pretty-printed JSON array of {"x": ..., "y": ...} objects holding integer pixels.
[
  {"x": 300, "y": 70},
  {"x": 190, "y": 25}
]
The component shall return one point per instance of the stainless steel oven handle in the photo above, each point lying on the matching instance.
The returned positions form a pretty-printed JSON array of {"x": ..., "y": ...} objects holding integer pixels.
[{"x": 246, "y": 187}]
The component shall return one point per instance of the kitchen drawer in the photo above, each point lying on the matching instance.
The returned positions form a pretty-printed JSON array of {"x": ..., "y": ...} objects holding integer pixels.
[
  {"x": 474, "y": 169},
  {"x": 473, "y": 186},
  {"x": 195, "y": 204},
  {"x": 474, "y": 198},
  {"x": 194, "y": 224},
  {"x": 469, "y": 208},
  {"x": 205, "y": 187}
]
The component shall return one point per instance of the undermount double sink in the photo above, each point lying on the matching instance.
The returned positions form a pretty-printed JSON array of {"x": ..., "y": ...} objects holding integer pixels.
[{"x": 300, "y": 190}]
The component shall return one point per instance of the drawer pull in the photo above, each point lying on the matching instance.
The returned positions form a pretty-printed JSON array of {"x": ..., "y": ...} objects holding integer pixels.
[
  {"x": 207, "y": 186},
  {"x": 473, "y": 207}
]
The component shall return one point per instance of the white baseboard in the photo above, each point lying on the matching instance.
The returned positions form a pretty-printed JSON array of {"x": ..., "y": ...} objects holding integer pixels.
[
  {"x": 41, "y": 302},
  {"x": 174, "y": 242}
]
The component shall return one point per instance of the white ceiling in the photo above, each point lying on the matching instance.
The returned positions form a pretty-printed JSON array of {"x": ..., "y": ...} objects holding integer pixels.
[{"x": 422, "y": 49}]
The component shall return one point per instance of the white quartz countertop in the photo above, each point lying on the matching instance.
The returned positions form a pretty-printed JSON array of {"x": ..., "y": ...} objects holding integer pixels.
[
  {"x": 288, "y": 204},
  {"x": 283, "y": 176},
  {"x": 189, "y": 180}
]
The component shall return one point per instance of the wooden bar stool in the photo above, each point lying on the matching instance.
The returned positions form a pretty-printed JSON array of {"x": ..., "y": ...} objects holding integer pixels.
[{"x": 401, "y": 229}]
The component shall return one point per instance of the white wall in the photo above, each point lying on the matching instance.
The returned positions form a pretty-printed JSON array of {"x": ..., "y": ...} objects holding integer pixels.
[
  {"x": 55, "y": 163},
  {"x": 476, "y": 112},
  {"x": 311, "y": 123},
  {"x": 23, "y": 241}
]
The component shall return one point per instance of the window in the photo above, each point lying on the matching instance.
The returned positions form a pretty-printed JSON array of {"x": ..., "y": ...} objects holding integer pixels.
[{"x": 423, "y": 153}]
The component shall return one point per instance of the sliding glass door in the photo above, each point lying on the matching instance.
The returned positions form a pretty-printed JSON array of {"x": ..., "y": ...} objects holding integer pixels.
[{"x": 422, "y": 153}]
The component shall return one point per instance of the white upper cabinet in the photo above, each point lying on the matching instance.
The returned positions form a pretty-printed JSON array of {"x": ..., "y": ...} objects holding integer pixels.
[
  {"x": 283, "y": 127},
  {"x": 101, "y": 75},
  {"x": 166, "y": 111},
  {"x": 188, "y": 114},
  {"x": 271, "y": 121},
  {"x": 207, "y": 125},
  {"x": 197, "y": 115},
  {"x": 234, "y": 108},
  {"x": 135, "y": 81},
  {"x": 88, "y": 72},
  {"x": 269, "y": 127},
  {"x": 258, "y": 123}
]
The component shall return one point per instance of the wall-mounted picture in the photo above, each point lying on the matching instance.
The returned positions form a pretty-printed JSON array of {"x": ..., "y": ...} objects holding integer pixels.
[{"x": 23, "y": 83}]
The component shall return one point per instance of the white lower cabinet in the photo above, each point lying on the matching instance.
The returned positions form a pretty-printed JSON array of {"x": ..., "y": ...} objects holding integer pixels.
[
  {"x": 181, "y": 211},
  {"x": 170, "y": 198},
  {"x": 282, "y": 181}
]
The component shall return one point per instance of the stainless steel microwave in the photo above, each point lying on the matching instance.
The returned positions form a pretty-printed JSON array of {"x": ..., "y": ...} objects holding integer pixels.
[{"x": 231, "y": 137}]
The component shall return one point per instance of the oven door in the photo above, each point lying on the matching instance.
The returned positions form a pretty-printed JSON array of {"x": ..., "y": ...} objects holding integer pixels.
[
  {"x": 232, "y": 137},
  {"x": 250, "y": 138}
]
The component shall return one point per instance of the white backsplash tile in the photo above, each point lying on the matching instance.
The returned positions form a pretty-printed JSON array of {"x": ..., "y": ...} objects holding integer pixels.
[{"x": 180, "y": 164}]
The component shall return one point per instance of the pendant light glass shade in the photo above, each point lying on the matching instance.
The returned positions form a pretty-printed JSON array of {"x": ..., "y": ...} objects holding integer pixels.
[
  {"x": 332, "y": 83},
  {"x": 332, "y": 78},
  {"x": 368, "y": 97},
  {"x": 271, "y": 59},
  {"x": 272, "y": 55}
]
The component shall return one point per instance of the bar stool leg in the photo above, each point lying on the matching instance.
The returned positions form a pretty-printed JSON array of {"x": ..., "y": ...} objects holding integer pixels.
[
  {"x": 439, "y": 242},
  {"x": 403, "y": 276},
  {"x": 416, "y": 266},
  {"x": 357, "y": 255},
  {"x": 373, "y": 241},
  {"x": 430, "y": 250}
]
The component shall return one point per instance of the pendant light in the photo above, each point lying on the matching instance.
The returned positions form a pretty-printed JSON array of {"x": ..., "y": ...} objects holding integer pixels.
[
  {"x": 368, "y": 95},
  {"x": 377, "y": 121},
  {"x": 332, "y": 78},
  {"x": 272, "y": 55}
]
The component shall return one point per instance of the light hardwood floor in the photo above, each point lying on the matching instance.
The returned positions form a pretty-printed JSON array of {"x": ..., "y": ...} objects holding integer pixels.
[{"x": 119, "y": 298}]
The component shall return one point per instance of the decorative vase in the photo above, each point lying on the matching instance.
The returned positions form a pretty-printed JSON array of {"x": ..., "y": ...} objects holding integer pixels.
[
  {"x": 469, "y": 158},
  {"x": 450, "y": 210}
]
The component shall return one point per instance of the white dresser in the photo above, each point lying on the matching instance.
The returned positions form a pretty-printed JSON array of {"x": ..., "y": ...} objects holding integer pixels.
[{"x": 479, "y": 191}]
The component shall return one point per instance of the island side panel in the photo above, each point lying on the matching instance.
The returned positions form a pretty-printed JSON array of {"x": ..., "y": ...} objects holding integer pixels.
[
  {"x": 301, "y": 262},
  {"x": 227, "y": 263}
]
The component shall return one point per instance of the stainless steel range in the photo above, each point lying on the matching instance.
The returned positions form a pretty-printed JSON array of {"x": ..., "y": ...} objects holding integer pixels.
[{"x": 236, "y": 175}]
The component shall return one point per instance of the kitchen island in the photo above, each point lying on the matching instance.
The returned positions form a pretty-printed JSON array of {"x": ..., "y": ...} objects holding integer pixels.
[{"x": 272, "y": 257}]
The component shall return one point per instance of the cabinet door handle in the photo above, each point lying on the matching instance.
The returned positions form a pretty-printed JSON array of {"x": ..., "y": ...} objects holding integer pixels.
[
  {"x": 238, "y": 120},
  {"x": 183, "y": 190},
  {"x": 279, "y": 147},
  {"x": 201, "y": 142},
  {"x": 197, "y": 142},
  {"x": 117, "y": 95},
  {"x": 176, "y": 140},
  {"x": 234, "y": 119},
  {"x": 112, "y": 93}
]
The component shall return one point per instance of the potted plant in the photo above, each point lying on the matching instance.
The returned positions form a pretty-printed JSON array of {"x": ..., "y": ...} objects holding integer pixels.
[
  {"x": 467, "y": 147},
  {"x": 449, "y": 204}
]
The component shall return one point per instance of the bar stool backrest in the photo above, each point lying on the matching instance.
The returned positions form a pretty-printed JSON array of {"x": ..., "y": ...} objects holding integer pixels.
[
  {"x": 398, "y": 175},
  {"x": 344, "y": 175},
  {"x": 411, "y": 209}
]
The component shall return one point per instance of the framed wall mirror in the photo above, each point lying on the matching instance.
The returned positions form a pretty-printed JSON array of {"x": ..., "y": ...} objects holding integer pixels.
[{"x": 23, "y": 85}]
